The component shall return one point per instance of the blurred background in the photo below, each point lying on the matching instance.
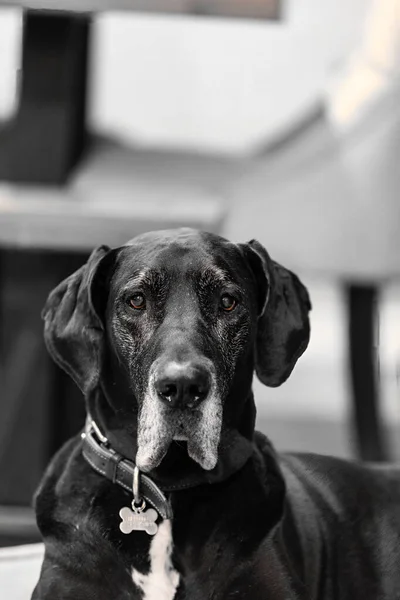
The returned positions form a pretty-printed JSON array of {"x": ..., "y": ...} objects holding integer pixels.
[{"x": 274, "y": 119}]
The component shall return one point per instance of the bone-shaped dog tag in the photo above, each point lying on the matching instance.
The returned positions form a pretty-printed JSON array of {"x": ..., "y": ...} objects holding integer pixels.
[{"x": 138, "y": 521}]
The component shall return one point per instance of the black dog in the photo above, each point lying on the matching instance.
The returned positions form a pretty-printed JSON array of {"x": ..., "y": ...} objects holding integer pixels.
[{"x": 163, "y": 335}]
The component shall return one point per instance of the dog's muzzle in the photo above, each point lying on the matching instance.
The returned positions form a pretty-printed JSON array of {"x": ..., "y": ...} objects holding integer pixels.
[{"x": 181, "y": 403}]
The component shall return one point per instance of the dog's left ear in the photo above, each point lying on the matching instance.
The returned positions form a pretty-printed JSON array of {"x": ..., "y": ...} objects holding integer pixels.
[
  {"x": 74, "y": 331},
  {"x": 283, "y": 325}
]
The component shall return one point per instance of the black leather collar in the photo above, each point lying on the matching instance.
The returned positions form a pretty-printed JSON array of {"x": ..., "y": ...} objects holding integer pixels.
[{"x": 106, "y": 461}]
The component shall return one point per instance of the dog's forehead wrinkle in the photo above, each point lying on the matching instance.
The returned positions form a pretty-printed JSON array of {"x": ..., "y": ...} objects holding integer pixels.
[
  {"x": 172, "y": 256},
  {"x": 170, "y": 276},
  {"x": 148, "y": 277},
  {"x": 213, "y": 272}
]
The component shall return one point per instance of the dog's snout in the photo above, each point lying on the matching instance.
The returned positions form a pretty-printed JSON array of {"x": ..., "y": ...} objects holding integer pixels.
[{"x": 182, "y": 385}]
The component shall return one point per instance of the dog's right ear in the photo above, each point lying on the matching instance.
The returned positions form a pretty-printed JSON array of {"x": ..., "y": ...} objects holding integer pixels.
[{"x": 74, "y": 330}]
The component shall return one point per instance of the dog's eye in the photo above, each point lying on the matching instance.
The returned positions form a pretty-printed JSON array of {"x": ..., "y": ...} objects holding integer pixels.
[
  {"x": 137, "y": 301},
  {"x": 228, "y": 302}
]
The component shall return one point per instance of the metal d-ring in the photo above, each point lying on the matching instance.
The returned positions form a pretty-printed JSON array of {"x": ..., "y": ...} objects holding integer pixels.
[
  {"x": 138, "y": 503},
  {"x": 97, "y": 431},
  {"x": 138, "y": 509}
]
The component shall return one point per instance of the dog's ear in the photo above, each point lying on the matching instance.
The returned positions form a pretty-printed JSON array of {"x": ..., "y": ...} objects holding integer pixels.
[
  {"x": 283, "y": 326},
  {"x": 74, "y": 330}
]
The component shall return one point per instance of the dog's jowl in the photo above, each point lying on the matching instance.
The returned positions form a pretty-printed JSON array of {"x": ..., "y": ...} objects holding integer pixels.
[{"x": 169, "y": 493}]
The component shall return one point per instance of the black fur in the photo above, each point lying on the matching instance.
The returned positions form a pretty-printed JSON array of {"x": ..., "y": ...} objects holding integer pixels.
[{"x": 253, "y": 525}]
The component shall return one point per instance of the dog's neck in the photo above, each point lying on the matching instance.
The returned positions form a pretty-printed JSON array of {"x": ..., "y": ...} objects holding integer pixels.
[
  {"x": 177, "y": 470},
  {"x": 247, "y": 474}
]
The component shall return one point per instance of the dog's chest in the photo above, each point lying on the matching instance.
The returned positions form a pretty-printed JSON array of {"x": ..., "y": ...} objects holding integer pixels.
[{"x": 162, "y": 580}]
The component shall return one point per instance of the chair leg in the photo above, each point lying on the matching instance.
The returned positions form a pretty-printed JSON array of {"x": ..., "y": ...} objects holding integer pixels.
[
  {"x": 362, "y": 330},
  {"x": 15, "y": 382}
]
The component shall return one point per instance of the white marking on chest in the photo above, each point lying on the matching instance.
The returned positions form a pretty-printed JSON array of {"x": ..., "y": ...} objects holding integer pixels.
[{"x": 162, "y": 580}]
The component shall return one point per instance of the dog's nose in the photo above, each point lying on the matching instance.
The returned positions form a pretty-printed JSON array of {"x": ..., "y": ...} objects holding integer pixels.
[{"x": 182, "y": 385}]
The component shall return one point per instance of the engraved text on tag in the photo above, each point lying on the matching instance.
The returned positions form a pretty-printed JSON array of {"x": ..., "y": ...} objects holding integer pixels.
[{"x": 138, "y": 521}]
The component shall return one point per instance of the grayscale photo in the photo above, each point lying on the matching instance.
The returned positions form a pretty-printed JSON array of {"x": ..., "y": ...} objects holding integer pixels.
[{"x": 199, "y": 300}]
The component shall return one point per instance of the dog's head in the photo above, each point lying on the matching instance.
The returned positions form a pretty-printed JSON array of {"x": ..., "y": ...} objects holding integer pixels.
[{"x": 171, "y": 326}]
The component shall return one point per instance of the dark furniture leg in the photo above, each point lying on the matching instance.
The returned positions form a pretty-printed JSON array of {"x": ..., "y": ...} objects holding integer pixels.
[
  {"x": 362, "y": 307},
  {"x": 46, "y": 139},
  {"x": 24, "y": 391},
  {"x": 39, "y": 407}
]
